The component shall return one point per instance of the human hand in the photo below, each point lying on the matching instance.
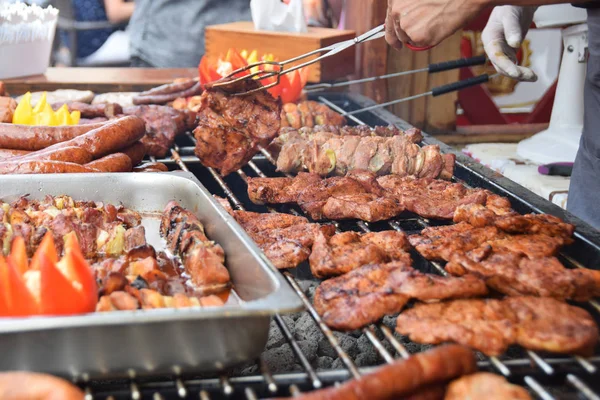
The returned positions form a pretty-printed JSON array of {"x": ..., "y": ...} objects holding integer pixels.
[
  {"x": 427, "y": 22},
  {"x": 502, "y": 37}
]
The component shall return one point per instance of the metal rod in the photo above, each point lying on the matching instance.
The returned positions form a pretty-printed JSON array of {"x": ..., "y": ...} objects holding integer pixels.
[
  {"x": 321, "y": 86},
  {"x": 582, "y": 387}
]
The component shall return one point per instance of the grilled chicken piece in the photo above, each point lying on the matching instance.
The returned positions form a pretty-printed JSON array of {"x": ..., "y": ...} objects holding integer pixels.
[
  {"x": 543, "y": 224},
  {"x": 349, "y": 250},
  {"x": 163, "y": 125},
  {"x": 368, "y": 293},
  {"x": 309, "y": 113},
  {"x": 431, "y": 198},
  {"x": 232, "y": 128},
  {"x": 404, "y": 379},
  {"x": 515, "y": 274},
  {"x": 485, "y": 385},
  {"x": 279, "y": 190},
  {"x": 533, "y": 246},
  {"x": 441, "y": 242},
  {"x": 490, "y": 326},
  {"x": 202, "y": 259}
]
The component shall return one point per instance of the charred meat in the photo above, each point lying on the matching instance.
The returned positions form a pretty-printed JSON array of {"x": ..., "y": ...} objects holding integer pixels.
[
  {"x": 347, "y": 251},
  {"x": 490, "y": 326},
  {"x": 202, "y": 258},
  {"x": 231, "y": 129},
  {"x": 368, "y": 293}
]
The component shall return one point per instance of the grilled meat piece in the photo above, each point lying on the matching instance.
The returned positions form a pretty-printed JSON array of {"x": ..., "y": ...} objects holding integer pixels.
[
  {"x": 485, "y": 385},
  {"x": 347, "y": 251},
  {"x": 431, "y": 198},
  {"x": 515, "y": 274},
  {"x": 441, "y": 242},
  {"x": 533, "y": 246},
  {"x": 403, "y": 378},
  {"x": 368, "y": 293},
  {"x": 490, "y": 326},
  {"x": 543, "y": 224},
  {"x": 232, "y": 128},
  {"x": 133, "y": 299},
  {"x": 285, "y": 239},
  {"x": 202, "y": 259},
  {"x": 357, "y": 195},
  {"x": 163, "y": 125},
  {"x": 309, "y": 113}
]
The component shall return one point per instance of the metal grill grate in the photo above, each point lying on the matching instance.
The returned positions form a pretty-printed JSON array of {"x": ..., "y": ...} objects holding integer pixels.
[{"x": 547, "y": 377}]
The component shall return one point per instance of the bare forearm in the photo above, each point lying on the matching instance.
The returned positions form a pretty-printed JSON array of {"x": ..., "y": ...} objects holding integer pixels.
[
  {"x": 118, "y": 11},
  {"x": 527, "y": 2}
]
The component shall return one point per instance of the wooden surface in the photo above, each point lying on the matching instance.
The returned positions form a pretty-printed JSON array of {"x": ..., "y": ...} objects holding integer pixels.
[
  {"x": 99, "y": 80},
  {"x": 284, "y": 45}
]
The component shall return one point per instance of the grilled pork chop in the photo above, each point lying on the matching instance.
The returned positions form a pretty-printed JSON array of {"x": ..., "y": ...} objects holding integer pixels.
[
  {"x": 368, "y": 293},
  {"x": 490, "y": 326},
  {"x": 232, "y": 128}
]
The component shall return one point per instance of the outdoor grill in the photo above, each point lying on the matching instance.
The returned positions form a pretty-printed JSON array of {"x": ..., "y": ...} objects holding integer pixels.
[{"x": 294, "y": 361}]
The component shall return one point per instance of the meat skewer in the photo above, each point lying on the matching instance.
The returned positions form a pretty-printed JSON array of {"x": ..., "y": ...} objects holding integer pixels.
[
  {"x": 202, "y": 259},
  {"x": 308, "y": 114}
]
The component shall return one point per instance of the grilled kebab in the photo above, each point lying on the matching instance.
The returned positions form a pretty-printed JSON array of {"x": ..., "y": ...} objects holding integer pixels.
[
  {"x": 326, "y": 153},
  {"x": 347, "y": 251},
  {"x": 490, "y": 325},
  {"x": 309, "y": 113},
  {"x": 231, "y": 129},
  {"x": 368, "y": 293},
  {"x": 202, "y": 258}
]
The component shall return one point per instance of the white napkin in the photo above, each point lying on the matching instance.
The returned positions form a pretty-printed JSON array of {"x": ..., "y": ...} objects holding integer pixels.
[{"x": 274, "y": 15}]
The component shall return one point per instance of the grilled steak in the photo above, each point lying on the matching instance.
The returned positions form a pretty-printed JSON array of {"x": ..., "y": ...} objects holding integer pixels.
[
  {"x": 368, "y": 293},
  {"x": 403, "y": 378},
  {"x": 485, "y": 385},
  {"x": 163, "y": 125},
  {"x": 232, "y": 128},
  {"x": 515, "y": 274},
  {"x": 490, "y": 326},
  {"x": 350, "y": 250}
]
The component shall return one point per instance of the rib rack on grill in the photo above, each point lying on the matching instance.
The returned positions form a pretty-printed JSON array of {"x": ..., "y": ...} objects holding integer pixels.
[
  {"x": 368, "y": 293},
  {"x": 231, "y": 129},
  {"x": 349, "y": 250},
  {"x": 490, "y": 326}
]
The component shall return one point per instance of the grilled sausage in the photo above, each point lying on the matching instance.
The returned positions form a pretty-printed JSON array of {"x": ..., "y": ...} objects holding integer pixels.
[
  {"x": 29, "y": 385},
  {"x": 118, "y": 162},
  {"x": 196, "y": 89},
  {"x": 41, "y": 167},
  {"x": 108, "y": 110},
  {"x": 71, "y": 154},
  {"x": 403, "y": 378},
  {"x": 25, "y": 137},
  {"x": 8, "y": 153},
  {"x": 151, "y": 167},
  {"x": 173, "y": 87},
  {"x": 110, "y": 137},
  {"x": 136, "y": 152}
]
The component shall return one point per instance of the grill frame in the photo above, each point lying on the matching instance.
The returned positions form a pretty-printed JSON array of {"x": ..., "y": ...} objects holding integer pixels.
[{"x": 539, "y": 374}]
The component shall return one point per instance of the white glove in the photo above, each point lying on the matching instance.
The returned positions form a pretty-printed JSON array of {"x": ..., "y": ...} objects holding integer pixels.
[{"x": 502, "y": 37}]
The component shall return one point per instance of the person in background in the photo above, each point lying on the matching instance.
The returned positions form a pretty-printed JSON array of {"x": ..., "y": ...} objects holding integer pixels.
[
  {"x": 428, "y": 22},
  {"x": 114, "y": 11},
  {"x": 170, "y": 33}
]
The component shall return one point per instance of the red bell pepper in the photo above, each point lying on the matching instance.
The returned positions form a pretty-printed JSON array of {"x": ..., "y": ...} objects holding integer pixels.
[
  {"x": 291, "y": 87},
  {"x": 206, "y": 72},
  {"x": 47, "y": 286}
]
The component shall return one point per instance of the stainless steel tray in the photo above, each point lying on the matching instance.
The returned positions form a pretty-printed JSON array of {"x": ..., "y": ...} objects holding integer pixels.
[{"x": 163, "y": 341}]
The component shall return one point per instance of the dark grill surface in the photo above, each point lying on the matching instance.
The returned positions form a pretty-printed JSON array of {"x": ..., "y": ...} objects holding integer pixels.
[{"x": 303, "y": 354}]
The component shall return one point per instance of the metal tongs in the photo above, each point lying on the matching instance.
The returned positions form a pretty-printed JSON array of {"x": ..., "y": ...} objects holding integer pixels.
[{"x": 278, "y": 68}]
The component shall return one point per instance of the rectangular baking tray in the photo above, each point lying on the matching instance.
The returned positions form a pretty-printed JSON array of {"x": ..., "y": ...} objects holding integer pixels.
[{"x": 150, "y": 342}]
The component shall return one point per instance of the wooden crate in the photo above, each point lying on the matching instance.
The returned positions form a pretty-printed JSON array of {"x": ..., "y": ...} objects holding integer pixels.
[{"x": 284, "y": 45}]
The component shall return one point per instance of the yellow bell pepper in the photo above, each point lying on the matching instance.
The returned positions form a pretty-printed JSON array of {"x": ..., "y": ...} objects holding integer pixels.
[
  {"x": 23, "y": 113},
  {"x": 42, "y": 113}
]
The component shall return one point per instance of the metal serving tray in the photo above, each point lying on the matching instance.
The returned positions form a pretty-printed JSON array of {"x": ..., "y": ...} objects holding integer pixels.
[{"x": 150, "y": 342}]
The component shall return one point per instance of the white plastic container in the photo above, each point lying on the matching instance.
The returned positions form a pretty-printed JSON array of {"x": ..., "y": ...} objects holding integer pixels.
[{"x": 26, "y": 36}]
